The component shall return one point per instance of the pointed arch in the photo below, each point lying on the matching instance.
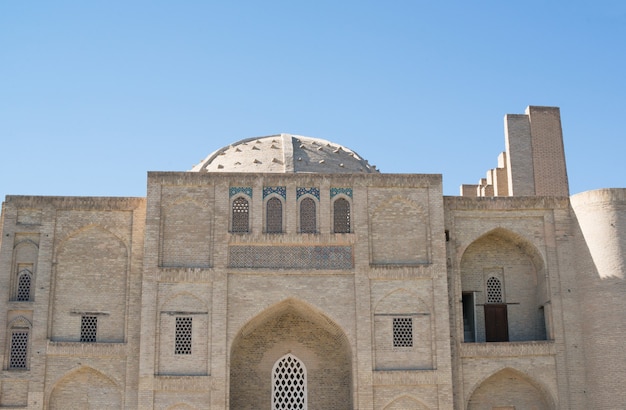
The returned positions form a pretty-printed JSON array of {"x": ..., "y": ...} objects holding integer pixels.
[
  {"x": 508, "y": 386},
  {"x": 90, "y": 275},
  {"x": 342, "y": 215},
  {"x": 289, "y": 383},
  {"x": 84, "y": 387},
  {"x": 240, "y": 214},
  {"x": 403, "y": 332},
  {"x": 307, "y": 210},
  {"x": 183, "y": 332},
  {"x": 505, "y": 290},
  {"x": 406, "y": 402},
  {"x": 274, "y": 214},
  {"x": 296, "y": 328}
]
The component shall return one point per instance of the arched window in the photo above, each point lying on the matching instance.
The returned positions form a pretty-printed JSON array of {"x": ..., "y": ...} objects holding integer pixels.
[
  {"x": 24, "y": 279},
  {"x": 240, "y": 215},
  {"x": 19, "y": 333},
  {"x": 341, "y": 216},
  {"x": 308, "y": 216},
  {"x": 274, "y": 216},
  {"x": 289, "y": 384},
  {"x": 494, "y": 290}
]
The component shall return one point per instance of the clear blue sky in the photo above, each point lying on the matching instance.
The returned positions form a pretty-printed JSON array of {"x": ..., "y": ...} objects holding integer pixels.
[{"x": 93, "y": 94}]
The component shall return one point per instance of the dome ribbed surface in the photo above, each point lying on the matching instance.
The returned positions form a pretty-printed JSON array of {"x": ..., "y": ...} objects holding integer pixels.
[{"x": 285, "y": 153}]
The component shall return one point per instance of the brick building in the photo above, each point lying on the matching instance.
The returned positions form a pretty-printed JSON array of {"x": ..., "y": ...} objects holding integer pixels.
[{"x": 286, "y": 272}]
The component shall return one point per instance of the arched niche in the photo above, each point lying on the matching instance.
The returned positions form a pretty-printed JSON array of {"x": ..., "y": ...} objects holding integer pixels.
[
  {"x": 291, "y": 327},
  {"x": 523, "y": 310},
  {"x": 509, "y": 388},
  {"x": 91, "y": 278},
  {"x": 85, "y": 388}
]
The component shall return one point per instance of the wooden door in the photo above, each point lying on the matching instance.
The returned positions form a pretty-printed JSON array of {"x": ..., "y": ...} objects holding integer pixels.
[{"x": 496, "y": 323}]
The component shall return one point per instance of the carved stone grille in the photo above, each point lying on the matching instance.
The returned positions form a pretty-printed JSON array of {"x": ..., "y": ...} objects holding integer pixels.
[
  {"x": 291, "y": 257},
  {"x": 289, "y": 384},
  {"x": 241, "y": 212},
  {"x": 183, "y": 335},
  {"x": 19, "y": 350},
  {"x": 23, "y": 287},
  {"x": 341, "y": 216},
  {"x": 402, "y": 332},
  {"x": 494, "y": 290},
  {"x": 88, "y": 329},
  {"x": 308, "y": 217},
  {"x": 274, "y": 216}
]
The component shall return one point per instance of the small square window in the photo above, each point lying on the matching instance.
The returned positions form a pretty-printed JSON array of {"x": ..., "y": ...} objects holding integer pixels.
[
  {"x": 183, "y": 335},
  {"x": 402, "y": 332}
]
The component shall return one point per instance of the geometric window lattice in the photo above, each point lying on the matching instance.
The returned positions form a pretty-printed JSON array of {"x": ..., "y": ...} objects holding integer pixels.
[
  {"x": 183, "y": 335},
  {"x": 291, "y": 257},
  {"x": 494, "y": 290},
  {"x": 402, "y": 332},
  {"x": 307, "y": 216},
  {"x": 274, "y": 216},
  {"x": 88, "y": 329},
  {"x": 19, "y": 350},
  {"x": 241, "y": 209},
  {"x": 289, "y": 384},
  {"x": 23, "y": 286},
  {"x": 341, "y": 216}
]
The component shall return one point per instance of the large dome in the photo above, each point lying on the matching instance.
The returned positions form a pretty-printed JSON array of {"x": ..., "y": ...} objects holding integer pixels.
[{"x": 285, "y": 153}]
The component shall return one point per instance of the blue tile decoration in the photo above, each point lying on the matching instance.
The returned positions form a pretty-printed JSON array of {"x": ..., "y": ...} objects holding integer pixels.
[
  {"x": 234, "y": 190},
  {"x": 280, "y": 190},
  {"x": 311, "y": 191},
  {"x": 291, "y": 257},
  {"x": 346, "y": 191}
]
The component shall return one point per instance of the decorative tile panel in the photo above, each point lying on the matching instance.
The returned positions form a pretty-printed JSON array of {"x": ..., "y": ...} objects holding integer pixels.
[
  {"x": 234, "y": 190},
  {"x": 280, "y": 190},
  {"x": 311, "y": 191},
  {"x": 291, "y": 257},
  {"x": 335, "y": 191}
]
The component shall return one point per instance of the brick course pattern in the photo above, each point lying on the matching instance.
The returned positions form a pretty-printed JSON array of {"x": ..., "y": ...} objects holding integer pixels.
[{"x": 384, "y": 300}]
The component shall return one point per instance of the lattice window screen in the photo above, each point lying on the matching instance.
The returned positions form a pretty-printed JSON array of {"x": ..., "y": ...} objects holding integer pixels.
[
  {"x": 494, "y": 290},
  {"x": 240, "y": 217},
  {"x": 19, "y": 350},
  {"x": 308, "y": 217},
  {"x": 23, "y": 286},
  {"x": 183, "y": 335},
  {"x": 88, "y": 329},
  {"x": 402, "y": 332},
  {"x": 274, "y": 216},
  {"x": 289, "y": 384},
  {"x": 341, "y": 216}
]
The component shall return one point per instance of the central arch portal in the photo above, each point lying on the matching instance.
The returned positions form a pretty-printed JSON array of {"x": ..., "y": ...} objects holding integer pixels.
[{"x": 300, "y": 339}]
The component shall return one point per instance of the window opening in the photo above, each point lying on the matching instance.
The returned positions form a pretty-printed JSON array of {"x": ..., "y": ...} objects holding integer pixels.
[
  {"x": 88, "y": 329},
  {"x": 494, "y": 290},
  {"x": 274, "y": 216},
  {"x": 23, "y": 286},
  {"x": 19, "y": 350},
  {"x": 341, "y": 216},
  {"x": 402, "y": 332},
  {"x": 469, "y": 322},
  {"x": 289, "y": 384},
  {"x": 183, "y": 335},
  {"x": 241, "y": 212},
  {"x": 308, "y": 217}
]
